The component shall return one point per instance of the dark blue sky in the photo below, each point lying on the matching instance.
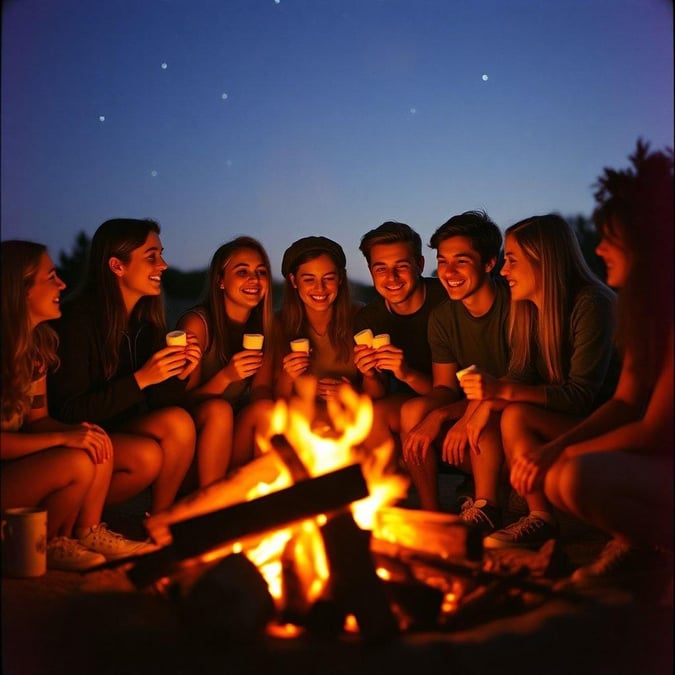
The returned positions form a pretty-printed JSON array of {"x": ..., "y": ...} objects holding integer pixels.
[{"x": 283, "y": 119}]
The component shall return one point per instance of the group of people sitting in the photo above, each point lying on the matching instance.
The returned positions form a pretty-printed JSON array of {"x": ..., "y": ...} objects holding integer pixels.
[{"x": 515, "y": 364}]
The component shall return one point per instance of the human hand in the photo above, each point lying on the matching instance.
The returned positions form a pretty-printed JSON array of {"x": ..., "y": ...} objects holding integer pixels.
[
  {"x": 92, "y": 439},
  {"x": 243, "y": 364},
  {"x": 390, "y": 357},
  {"x": 295, "y": 364},
  {"x": 163, "y": 364},
  {"x": 455, "y": 443},
  {"x": 529, "y": 469},
  {"x": 478, "y": 385},
  {"x": 419, "y": 439},
  {"x": 327, "y": 387},
  {"x": 365, "y": 359},
  {"x": 193, "y": 355},
  {"x": 475, "y": 425}
]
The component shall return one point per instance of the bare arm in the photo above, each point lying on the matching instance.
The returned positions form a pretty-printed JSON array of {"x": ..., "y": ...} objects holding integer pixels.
[{"x": 41, "y": 432}]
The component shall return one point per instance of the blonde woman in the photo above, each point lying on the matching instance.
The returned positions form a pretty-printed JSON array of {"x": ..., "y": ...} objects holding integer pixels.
[{"x": 562, "y": 366}]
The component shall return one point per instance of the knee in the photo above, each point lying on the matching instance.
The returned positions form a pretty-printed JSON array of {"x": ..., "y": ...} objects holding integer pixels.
[
  {"x": 412, "y": 412},
  {"x": 146, "y": 459},
  {"x": 215, "y": 413},
  {"x": 512, "y": 424},
  {"x": 569, "y": 482},
  {"x": 179, "y": 427},
  {"x": 82, "y": 466}
]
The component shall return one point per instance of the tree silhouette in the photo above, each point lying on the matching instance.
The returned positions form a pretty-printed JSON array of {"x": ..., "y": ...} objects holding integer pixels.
[{"x": 71, "y": 267}]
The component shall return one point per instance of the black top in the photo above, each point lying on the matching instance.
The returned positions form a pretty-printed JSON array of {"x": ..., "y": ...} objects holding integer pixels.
[{"x": 79, "y": 392}]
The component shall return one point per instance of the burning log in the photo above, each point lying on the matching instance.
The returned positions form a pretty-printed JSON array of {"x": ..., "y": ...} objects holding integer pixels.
[
  {"x": 229, "y": 601},
  {"x": 231, "y": 490},
  {"x": 354, "y": 586},
  {"x": 439, "y": 534},
  {"x": 195, "y": 536}
]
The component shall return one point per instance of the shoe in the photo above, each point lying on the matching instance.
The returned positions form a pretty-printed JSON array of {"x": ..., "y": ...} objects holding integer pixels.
[
  {"x": 481, "y": 514},
  {"x": 64, "y": 553},
  {"x": 113, "y": 545},
  {"x": 529, "y": 532},
  {"x": 619, "y": 563}
]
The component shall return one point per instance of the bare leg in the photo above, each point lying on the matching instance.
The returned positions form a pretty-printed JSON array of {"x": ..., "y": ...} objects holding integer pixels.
[
  {"x": 386, "y": 420},
  {"x": 425, "y": 474},
  {"x": 627, "y": 495},
  {"x": 525, "y": 426},
  {"x": 487, "y": 466},
  {"x": 57, "y": 479},
  {"x": 137, "y": 462},
  {"x": 251, "y": 420},
  {"x": 92, "y": 505},
  {"x": 214, "y": 420},
  {"x": 174, "y": 431}
]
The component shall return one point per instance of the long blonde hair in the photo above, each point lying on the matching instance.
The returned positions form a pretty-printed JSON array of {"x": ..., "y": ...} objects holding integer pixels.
[
  {"x": 551, "y": 247},
  {"x": 26, "y": 351},
  {"x": 215, "y": 307}
]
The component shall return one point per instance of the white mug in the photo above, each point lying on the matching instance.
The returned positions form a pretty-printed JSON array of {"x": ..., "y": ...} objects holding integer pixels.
[{"x": 24, "y": 542}]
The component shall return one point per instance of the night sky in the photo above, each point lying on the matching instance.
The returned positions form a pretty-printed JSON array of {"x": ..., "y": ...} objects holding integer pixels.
[{"x": 283, "y": 118}]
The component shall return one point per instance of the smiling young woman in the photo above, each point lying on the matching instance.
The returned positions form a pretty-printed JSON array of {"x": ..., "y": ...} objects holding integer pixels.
[
  {"x": 65, "y": 468},
  {"x": 230, "y": 390},
  {"x": 317, "y": 306},
  {"x": 116, "y": 370}
]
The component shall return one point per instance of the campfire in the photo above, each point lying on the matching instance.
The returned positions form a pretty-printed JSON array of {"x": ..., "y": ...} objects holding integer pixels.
[{"x": 308, "y": 538}]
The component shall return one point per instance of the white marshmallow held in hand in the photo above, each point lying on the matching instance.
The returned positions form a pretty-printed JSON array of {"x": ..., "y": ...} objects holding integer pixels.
[
  {"x": 364, "y": 337},
  {"x": 465, "y": 371},
  {"x": 176, "y": 338},
  {"x": 300, "y": 345},
  {"x": 253, "y": 341},
  {"x": 381, "y": 340}
]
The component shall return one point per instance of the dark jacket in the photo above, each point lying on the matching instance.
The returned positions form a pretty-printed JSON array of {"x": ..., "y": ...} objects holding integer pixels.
[{"x": 79, "y": 392}]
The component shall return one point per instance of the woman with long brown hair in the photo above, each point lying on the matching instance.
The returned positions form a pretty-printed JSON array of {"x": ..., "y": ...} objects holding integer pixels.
[
  {"x": 65, "y": 468},
  {"x": 116, "y": 370},
  {"x": 230, "y": 390},
  {"x": 316, "y": 306}
]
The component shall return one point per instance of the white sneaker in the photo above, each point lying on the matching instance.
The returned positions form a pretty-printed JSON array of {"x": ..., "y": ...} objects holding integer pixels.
[
  {"x": 113, "y": 545},
  {"x": 64, "y": 553}
]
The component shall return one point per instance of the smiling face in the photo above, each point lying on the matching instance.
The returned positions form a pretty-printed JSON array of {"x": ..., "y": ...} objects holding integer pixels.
[
  {"x": 396, "y": 275},
  {"x": 317, "y": 282},
  {"x": 616, "y": 257},
  {"x": 44, "y": 296},
  {"x": 460, "y": 268},
  {"x": 244, "y": 282},
  {"x": 523, "y": 277},
  {"x": 142, "y": 274}
]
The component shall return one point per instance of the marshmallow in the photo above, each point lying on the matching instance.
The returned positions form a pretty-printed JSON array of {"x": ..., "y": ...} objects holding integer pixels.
[
  {"x": 364, "y": 337},
  {"x": 176, "y": 338},
  {"x": 253, "y": 341}
]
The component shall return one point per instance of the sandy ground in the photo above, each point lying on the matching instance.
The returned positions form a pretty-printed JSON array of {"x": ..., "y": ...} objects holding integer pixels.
[{"x": 100, "y": 623}]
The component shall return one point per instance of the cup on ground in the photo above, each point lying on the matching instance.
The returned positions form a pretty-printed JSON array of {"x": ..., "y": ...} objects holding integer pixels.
[
  {"x": 253, "y": 341},
  {"x": 24, "y": 542},
  {"x": 176, "y": 338}
]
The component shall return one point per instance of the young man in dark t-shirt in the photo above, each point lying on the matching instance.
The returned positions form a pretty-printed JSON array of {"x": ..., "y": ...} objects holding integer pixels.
[
  {"x": 468, "y": 329},
  {"x": 395, "y": 372}
]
